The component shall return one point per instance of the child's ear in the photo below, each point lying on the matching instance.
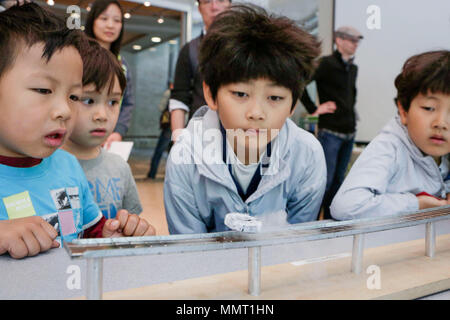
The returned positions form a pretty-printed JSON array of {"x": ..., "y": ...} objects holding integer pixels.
[
  {"x": 403, "y": 114},
  {"x": 293, "y": 109},
  {"x": 208, "y": 97}
]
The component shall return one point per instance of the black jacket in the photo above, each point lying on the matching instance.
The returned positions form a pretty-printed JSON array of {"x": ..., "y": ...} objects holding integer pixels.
[
  {"x": 336, "y": 81},
  {"x": 188, "y": 82}
]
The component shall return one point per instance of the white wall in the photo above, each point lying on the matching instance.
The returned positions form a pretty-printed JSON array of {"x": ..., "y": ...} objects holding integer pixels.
[{"x": 407, "y": 27}]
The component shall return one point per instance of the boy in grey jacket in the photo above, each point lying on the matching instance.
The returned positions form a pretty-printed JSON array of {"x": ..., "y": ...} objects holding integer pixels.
[
  {"x": 243, "y": 154},
  {"x": 406, "y": 167}
]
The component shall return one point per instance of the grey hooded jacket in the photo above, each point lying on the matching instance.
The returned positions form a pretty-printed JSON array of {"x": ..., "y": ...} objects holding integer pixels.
[
  {"x": 388, "y": 174},
  {"x": 198, "y": 196}
]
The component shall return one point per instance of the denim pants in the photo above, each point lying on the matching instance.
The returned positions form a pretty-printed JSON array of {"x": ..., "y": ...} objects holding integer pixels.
[
  {"x": 338, "y": 152},
  {"x": 162, "y": 145}
]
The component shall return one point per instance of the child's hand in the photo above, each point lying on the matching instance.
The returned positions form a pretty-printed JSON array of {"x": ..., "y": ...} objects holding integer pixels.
[
  {"x": 326, "y": 107},
  {"x": 127, "y": 225},
  {"x": 430, "y": 202},
  {"x": 115, "y": 136},
  {"x": 26, "y": 237}
]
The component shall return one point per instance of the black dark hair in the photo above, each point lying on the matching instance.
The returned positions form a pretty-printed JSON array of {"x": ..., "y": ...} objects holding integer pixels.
[
  {"x": 423, "y": 73},
  {"x": 100, "y": 67},
  {"x": 97, "y": 8},
  {"x": 245, "y": 42},
  {"x": 29, "y": 24}
]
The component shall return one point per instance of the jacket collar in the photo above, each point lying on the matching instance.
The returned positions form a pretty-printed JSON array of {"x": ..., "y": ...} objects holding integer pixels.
[{"x": 338, "y": 56}]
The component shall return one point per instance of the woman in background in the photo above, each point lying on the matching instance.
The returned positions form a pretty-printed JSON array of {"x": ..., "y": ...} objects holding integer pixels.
[{"x": 105, "y": 24}]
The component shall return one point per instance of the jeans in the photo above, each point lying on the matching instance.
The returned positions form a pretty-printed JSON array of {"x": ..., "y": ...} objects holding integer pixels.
[
  {"x": 162, "y": 145},
  {"x": 338, "y": 152}
]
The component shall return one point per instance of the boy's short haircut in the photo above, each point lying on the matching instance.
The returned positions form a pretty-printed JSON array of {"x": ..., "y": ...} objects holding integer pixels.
[
  {"x": 245, "y": 43},
  {"x": 423, "y": 73},
  {"x": 100, "y": 67},
  {"x": 28, "y": 24}
]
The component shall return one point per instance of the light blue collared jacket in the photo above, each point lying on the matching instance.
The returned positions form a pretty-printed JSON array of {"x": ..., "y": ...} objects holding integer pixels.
[
  {"x": 198, "y": 196},
  {"x": 388, "y": 174}
]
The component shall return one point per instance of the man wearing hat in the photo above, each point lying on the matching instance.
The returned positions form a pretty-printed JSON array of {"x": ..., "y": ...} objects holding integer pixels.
[{"x": 336, "y": 85}]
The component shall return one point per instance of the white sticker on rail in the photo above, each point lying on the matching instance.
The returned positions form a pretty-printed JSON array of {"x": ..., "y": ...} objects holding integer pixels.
[{"x": 321, "y": 259}]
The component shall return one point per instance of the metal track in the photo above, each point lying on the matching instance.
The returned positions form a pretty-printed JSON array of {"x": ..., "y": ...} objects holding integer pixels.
[{"x": 114, "y": 247}]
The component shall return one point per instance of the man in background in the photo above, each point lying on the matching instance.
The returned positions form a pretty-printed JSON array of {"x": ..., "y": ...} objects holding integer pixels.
[
  {"x": 187, "y": 93},
  {"x": 336, "y": 85}
]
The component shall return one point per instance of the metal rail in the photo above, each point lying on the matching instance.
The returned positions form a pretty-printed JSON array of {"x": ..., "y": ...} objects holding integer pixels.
[{"x": 94, "y": 250}]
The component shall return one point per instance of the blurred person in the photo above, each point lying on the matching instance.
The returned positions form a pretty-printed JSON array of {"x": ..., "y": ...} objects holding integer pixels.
[
  {"x": 187, "y": 94},
  {"x": 164, "y": 137},
  {"x": 336, "y": 86}
]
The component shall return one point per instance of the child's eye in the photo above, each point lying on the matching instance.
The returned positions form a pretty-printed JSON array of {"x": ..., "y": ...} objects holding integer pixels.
[
  {"x": 87, "y": 101},
  {"x": 239, "y": 94},
  {"x": 74, "y": 98},
  {"x": 428, "y": 108},
  {"x": 113, "y": 103},
  {"x": 276, "y": 98},
  {"x": 43, "y": 91}
]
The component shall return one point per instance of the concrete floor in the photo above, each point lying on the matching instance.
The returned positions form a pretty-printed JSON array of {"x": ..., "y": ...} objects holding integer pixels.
[{"x": 150, "y": 190}]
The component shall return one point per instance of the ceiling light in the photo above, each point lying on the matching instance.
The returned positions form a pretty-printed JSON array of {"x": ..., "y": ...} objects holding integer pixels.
[
  {"x": 147, "y": 3},
  {"x": 88, "y": 8},
  {"x": 156, "y": 39},
  {"x": 50, "y": 2},
  {"x": 137, "y": 47},
  {"x": 127, "y": 15},
  {"x": 173, "y": 41},
  {"x": 160, "y": 20}
]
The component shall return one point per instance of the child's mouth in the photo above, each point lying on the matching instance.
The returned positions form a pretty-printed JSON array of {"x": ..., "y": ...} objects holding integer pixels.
[
  {"x": 437, "y": 140},
  {"x": 252, "y": 132},
  {"x": 100, "y": 132},
  {"x": 55, "y": 138}
]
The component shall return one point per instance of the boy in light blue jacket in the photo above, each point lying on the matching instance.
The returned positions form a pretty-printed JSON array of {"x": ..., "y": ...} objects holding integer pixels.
[
  {"x": 406, "y": 167},
  {"x": 243, "y": 154}
]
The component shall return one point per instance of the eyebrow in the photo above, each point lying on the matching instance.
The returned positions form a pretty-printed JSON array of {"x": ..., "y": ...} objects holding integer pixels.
[
  {"x": 43, "y": 75},
  {"x": 112, "y": 16},
  {"x": 52, "y": 79},
  {"x": 90, "y": 92},
  {"x": 432, "y": 98}
]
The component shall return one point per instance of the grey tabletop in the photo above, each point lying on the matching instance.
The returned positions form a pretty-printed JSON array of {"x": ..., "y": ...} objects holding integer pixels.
[{"x": 54, "y": 275}]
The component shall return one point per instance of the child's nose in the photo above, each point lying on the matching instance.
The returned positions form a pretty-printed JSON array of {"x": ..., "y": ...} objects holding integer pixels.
[
  {"x": 100, "y": 115},
  {"x": 255, "y": 112},
  {"x": 62, "y": 111},
  {"x": 442, "y": 120}
]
